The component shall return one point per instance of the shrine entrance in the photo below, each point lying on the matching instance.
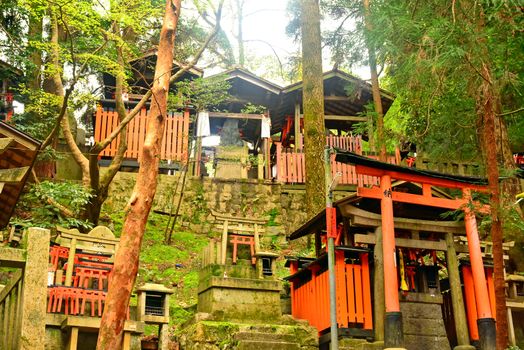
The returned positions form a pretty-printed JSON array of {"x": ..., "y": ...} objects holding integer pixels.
[{"x": 393, "y": 323}]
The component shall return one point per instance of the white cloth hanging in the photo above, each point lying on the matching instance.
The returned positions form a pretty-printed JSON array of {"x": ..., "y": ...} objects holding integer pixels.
[
  {"x": 203, "y": 128},
  {"x": 265, "y": 130}
]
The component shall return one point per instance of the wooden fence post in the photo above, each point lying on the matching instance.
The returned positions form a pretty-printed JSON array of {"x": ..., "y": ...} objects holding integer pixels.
[{"x": 34, "y": 292}]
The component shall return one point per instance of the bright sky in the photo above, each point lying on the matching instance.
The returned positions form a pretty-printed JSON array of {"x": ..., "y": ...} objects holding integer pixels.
[{"x": 265, "y": 23}]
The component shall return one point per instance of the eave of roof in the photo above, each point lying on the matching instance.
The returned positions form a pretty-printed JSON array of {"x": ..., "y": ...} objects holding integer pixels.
[
  {"x": 18, "y": 135},
  {"x": 353, "y": 158},
  {"x": 194, "y": 70},
  {"x": 343, "y": 75},
  {"x": 250, "y": 77},
  {"x": 12, "y": 68}
]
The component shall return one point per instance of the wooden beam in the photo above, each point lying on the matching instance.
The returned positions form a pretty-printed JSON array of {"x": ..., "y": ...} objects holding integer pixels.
[
  {"x": 403, "y": 197},
  {"x": 365, "y": 218},
  {"x": 235, "y": 115},
  {"x": 11, "y": 257},
  {"x": 336, "y": 98},
  {"x": 298, "y": 134},
  {"x": 348, "y": 118},
  {"x": 404, "y": 242},
  {"x": 16, "y": 135},
  {"x": 423, "y": 179},
  {"x": 5, "y": 143},
  {"x": 13, "y": 176},
  {"x": 2, "y": 186},
  {"x": 345, "y": 118}
]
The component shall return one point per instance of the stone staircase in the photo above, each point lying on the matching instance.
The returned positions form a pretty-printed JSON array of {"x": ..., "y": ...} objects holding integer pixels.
[{"x": 211, "y": 335}]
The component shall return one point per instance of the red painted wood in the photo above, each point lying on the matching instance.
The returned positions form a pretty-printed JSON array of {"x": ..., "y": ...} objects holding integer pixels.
[
  {"x": 366, "y": 290},
  {"x": 471, "y": 308}
]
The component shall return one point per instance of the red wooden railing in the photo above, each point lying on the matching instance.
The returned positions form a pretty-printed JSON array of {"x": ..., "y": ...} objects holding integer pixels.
[
  {"x": 174, "y": 142},
  {"x": 310, "y": 297},
  {"x": 291, "y": 165}
]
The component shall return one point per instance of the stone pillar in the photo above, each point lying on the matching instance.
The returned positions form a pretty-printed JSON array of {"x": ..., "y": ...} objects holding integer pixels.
[
  {"x": 461, "y": 323},
  {"x": 34, "y": 294},
  {"x": 163, "y": 336}
]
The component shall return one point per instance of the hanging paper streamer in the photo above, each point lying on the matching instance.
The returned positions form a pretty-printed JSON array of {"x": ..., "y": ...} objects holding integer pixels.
[{"x": 203, "y": 124}]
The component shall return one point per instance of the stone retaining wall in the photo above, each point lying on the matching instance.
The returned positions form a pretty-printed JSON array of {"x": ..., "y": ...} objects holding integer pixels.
[{"x": 282, "y": 205}]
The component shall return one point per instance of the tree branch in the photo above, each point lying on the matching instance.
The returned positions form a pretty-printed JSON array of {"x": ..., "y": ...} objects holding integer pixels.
[
  {"x": 63, "y": 210},
  {"x": 99, "y": 146},
  {"x": 511, "y": 112}
]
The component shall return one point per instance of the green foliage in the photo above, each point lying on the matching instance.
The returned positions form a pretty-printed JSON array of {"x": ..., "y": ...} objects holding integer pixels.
[
  {"x": 175, "y": 265},
  {"x": 37, "y": 208},
  {"x": 199, "y": 205},
  {"x": 273, "y": 213},
  {"x": 250, "y": 108},
  {"x": 200, "y": 93}
]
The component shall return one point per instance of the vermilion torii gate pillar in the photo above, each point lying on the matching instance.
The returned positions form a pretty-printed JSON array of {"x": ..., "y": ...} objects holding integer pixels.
[{"x": 393, "y": 333}]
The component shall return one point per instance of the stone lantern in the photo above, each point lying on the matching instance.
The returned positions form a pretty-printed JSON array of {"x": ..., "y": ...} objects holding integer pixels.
[{"x": 153, "y": 308}]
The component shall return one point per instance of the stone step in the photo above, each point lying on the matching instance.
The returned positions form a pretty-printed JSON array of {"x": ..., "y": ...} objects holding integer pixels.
[
  {"x": 258, "y": 336},
  {"x": 267, "y": 345}
]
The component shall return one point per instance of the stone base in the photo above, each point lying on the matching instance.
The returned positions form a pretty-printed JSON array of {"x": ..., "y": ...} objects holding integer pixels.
[
  {"x": 424, "y": 326},
  {"x": 213, "y": 335},
  {"x": 464, "y": 347},
  {"x": 240, "y": 299}
]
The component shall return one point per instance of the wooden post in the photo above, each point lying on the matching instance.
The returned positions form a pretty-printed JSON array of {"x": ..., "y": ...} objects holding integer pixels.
[
  {"x": 461, "y": 323},
  {"x": 224, "y": 242},
  {"x": 511, "y": 329},
  {"x": 393, "y": 332},
  {"x": 267, "y": 158},
  {"x": 280, "y": 172},
  {"x": 485, "y": 321},
  {"x": 298, "y": 135},
  {"x": 70, "y": 263},
  {"x": 257, "y": 239},
  {"x": 126, "y": 344},
  {"x": 34, "y": 295},
  {"x": 260, "y": 166},
  {"x": 378, "y": 283},
  {"x": 72, "y": 344}
]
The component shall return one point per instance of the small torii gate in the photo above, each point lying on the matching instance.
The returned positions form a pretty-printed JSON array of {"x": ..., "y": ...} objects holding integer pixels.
[{"x": 393, "y": 335}]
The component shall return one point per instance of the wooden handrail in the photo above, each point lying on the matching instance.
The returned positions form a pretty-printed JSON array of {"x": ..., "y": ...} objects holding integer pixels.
[{"x": 9, "y": 287}]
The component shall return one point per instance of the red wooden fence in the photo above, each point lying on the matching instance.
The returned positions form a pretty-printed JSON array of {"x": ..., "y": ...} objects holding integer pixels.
[
  {"x": 310, "y": 298},
  {"x": 174, "y": 142},
  {"x": 291, "y": 164}
]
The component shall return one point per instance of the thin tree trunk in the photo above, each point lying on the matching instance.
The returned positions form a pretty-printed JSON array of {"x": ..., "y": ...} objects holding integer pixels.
[
  {"x": 137, "y": 211},
  {"x": 240, "y": 37},
  {"x": 313, "y": 106},
  {"x": 34, "y": 78},
  {"x": 488, "y": 104},
  {"x": 380, "y": 142}
]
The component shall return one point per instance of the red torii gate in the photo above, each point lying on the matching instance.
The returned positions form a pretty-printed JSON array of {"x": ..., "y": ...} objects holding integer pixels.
[{"x": 393, "y": 336}]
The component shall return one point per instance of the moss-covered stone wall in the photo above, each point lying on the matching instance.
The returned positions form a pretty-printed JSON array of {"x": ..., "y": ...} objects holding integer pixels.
[{"x": 282, "y": 205}]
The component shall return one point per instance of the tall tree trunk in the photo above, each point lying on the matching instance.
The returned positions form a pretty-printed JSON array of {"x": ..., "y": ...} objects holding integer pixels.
[
  {"x": 487, "y": 106},
  {"x": 313, "y": 106},
  {"x": 240, "y": 36},
  {"x": 100, "y": 184},
  {"x": 137, "y": 211},
  {"x": 34, "y": 76},
  {"x": 375, "y": 87}
]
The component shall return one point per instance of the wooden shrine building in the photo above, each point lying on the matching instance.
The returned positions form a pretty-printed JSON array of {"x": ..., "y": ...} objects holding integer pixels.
[
  {"x": 392, "y": 245},
  {"x": 18, "y": 152},
  {"x": 275, "y": 154}
]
